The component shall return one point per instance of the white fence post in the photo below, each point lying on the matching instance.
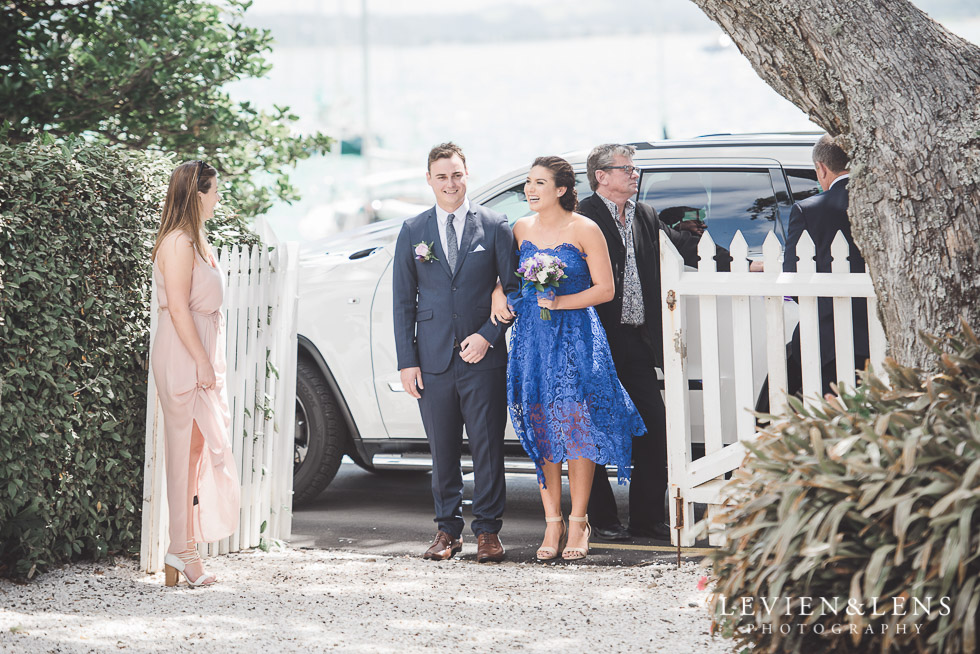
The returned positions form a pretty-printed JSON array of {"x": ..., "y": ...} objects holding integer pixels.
[
  {"x": 675, "y": 385},
  {"x": 260, "y": 330},
  {"x": 153, "y": 533},
  {"x": 283, "y": 424}
]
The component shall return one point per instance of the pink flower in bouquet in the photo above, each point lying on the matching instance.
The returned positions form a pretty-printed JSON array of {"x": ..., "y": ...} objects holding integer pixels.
[{"x": 703, "y": 583}]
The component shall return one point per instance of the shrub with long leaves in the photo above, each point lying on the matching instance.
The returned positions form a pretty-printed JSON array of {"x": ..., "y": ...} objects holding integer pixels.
[{"x": 867, "y": 505}]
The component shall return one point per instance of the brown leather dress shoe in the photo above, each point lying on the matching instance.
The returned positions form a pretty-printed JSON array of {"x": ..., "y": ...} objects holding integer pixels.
[
  {"x": 443, "y": 547},
  {"x": 489, "y": 549}
]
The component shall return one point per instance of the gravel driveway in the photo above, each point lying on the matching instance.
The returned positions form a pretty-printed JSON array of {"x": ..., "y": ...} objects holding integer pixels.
[{"x": 315, "y": 600}]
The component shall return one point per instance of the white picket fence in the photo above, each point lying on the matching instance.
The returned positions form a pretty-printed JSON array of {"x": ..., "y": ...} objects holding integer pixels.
[
  {"x": 260, "y": 327},
  {"x": 710, "y": 314}
]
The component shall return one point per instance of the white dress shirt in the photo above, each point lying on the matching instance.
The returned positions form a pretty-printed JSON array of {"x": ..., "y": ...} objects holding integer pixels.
[
  {"x": 842, "y": 177},
  {"x": 442, "y": 217}
]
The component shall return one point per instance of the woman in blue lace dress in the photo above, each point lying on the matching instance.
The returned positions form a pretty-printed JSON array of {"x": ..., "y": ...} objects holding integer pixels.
[{"x": 565, "y": 400}]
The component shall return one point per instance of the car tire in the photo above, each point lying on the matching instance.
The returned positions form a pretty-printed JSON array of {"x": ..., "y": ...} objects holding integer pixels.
[{"x": 321, "y": 433}]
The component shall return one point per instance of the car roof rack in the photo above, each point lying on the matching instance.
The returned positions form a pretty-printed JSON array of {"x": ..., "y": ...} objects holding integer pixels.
[{"x": 761, "y": 138}]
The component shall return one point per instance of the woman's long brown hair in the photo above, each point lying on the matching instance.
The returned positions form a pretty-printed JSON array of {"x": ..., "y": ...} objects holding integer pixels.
[{"x": 182, "y": 208}]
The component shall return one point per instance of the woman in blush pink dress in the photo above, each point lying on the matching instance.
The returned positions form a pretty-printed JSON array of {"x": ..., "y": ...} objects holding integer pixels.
[{"x": 188, "y": 361}]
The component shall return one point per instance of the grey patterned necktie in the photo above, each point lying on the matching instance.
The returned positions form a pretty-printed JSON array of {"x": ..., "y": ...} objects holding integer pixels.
[{"x": 452, "y": 246}]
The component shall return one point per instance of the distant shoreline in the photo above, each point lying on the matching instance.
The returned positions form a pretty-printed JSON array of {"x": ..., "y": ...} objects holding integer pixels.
[{"x": 511, "y": 25}]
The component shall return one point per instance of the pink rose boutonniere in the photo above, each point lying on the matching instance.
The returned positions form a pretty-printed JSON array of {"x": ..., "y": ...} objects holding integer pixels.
[{"x": 423, "y": 252}]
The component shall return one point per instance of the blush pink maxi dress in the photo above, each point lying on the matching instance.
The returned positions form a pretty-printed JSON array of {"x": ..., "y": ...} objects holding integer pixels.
[{"x": 203, "y": 492}]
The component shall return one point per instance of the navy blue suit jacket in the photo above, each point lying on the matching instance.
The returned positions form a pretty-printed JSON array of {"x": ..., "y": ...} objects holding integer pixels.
[
  {"x": 822, "y": 216},
  {"x": 436, "y": 308}
]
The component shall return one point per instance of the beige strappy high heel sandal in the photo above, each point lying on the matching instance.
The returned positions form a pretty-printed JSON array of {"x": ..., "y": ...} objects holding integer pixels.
[
  {"x": 551, "y": 553},
  {"x": 576, "y": 553},
  {"x": 174, "y": 564}
]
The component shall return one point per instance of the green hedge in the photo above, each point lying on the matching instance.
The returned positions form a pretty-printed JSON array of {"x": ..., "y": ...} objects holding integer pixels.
[{"x": 77, "y": 223}]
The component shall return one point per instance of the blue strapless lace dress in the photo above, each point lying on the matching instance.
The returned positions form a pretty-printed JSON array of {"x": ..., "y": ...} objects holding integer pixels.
[{"x": 565, "y": 399}]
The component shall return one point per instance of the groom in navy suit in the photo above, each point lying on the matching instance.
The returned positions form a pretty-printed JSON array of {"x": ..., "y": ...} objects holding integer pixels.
[{"x": 452, "y": 358}]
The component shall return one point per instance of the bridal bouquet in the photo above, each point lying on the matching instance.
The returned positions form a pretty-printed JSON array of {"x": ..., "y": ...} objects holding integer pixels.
[{"x": 540, "y": 270}]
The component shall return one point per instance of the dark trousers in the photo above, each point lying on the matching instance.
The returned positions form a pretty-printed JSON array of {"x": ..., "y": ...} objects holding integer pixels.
[
  {"x": 478, "y": 399},
  {"x": 794, "y": 374},
  {"x": 633, "y": 356}
]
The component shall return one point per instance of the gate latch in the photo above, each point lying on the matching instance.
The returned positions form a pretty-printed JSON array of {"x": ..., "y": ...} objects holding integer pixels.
[{"x": 671, "y": 300}]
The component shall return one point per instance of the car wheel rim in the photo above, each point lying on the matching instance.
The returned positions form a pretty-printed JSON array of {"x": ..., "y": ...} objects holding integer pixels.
[{"x": 301, "y": 440}]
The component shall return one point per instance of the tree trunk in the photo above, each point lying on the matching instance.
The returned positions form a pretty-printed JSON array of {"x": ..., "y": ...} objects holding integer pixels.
[{"x": 904, "y": 93}]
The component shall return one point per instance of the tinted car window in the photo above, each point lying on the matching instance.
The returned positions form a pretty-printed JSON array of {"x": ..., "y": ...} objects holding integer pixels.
[
  {"x": 727, "y": 200},
  {"x": 513, "y": 203},
  {"x": 802, "y": 183}
]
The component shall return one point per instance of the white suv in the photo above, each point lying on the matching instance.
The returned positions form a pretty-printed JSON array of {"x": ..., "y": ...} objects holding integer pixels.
[{"x": 349, "y": 398}]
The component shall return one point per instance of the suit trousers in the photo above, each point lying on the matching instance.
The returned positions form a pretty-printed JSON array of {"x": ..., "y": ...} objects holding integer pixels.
[
  {"x": 794, "y": 374},
  {"x": 636, "y": 366},
  {"x": 476, "y": 398}
]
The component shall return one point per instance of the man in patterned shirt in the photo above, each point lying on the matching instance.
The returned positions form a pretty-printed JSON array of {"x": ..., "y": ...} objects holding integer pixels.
[{"x": 632, "y": 322}]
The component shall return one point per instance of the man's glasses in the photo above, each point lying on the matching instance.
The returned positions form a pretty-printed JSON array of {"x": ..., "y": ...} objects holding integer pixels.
[{"x": 626, "y": 169}]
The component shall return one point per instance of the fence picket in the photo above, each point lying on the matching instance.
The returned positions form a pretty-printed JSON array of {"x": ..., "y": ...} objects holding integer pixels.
[
  {"x": 742, "y": 335},
  {"x": 271, "y": 464},
  {"x": 262, "y": 384},
  {"x": 248, "y": 431},
  {"x": 239, "y": 539},
  {"x": 710, "y": 366},
  {"x": 268, "y": 423},
  {"x": 809, "y": 324},
  {"x": 775, "y": 329}
]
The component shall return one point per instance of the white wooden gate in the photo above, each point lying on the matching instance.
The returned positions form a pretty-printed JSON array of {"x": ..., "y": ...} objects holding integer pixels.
[
  {"x": 260, "y": 326},
  {"x": 724, "y": 338}
]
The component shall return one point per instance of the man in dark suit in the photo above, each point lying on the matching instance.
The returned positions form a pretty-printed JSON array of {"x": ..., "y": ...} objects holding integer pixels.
[
  {"x": 452, "y": 358},
  {"x": 632, "y": 321},
  {"x": 822, "y": 216}
]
